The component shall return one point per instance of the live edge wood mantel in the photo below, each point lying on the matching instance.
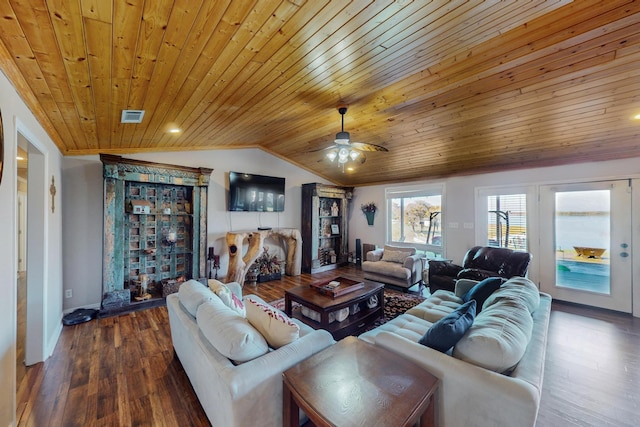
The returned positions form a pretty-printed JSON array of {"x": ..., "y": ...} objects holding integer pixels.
[{"x": 238, "y": 263}]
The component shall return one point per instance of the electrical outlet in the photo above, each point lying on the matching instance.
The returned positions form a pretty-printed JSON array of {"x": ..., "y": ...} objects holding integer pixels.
[{"x": 68, "y": 293}]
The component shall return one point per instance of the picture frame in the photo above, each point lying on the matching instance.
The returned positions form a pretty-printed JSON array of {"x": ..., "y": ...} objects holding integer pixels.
[{"x": 335, "y": 229}]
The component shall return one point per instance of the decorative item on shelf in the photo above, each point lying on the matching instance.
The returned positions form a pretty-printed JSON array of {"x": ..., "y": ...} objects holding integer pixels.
[
  {"x": 369, "y": 210},
  {"x": 171, "y": 238},
  {"x": 335, "y": 211},
  {"x": 335, "y": 229},
  {"x": 269, "y": 267},
  {"x": 139, "y": 206},
  {"x": 143, "y": 283},
  {"x": 214, "y": 263}
]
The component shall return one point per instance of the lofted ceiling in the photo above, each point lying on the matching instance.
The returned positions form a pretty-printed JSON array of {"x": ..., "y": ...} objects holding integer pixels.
[{"x": 448, "y": 87}]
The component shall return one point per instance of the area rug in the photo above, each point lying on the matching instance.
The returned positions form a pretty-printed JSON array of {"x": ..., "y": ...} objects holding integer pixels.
[{"x": 395, "y": 303}]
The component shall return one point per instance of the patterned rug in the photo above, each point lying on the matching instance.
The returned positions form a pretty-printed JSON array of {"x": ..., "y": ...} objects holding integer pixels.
[{"x": 395, "y": 303}]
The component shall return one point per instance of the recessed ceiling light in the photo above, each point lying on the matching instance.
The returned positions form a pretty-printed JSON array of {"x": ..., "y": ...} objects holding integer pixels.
[
  {"x": 174, "y": 130},
  {"x": 636, "y": 117},
  {"x": 19, "y": 158}
]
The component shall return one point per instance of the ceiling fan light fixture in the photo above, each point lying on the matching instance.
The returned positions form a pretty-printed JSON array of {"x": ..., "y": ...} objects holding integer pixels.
[
  {"x": 354, "y": 154},
  {"x": 343, "y": 155},
  {"x": 331, "y": 155},
  {"x": 342, "y": 137}
]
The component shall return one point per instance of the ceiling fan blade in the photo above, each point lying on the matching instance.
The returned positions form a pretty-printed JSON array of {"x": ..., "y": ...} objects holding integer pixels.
[
  {"x": 361, "y": 158},
  {"x": 362, "y": 146},
  {"x": 322, "y": 149}
]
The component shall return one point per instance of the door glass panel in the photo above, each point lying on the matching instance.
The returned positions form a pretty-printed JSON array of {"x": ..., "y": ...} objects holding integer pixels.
[
  {"x": 582, "y": 236},
  {"x": 507, "y": 221}
]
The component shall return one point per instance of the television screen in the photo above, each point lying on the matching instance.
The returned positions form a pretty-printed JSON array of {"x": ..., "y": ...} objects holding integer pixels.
[{"x": 255, "y": 193}]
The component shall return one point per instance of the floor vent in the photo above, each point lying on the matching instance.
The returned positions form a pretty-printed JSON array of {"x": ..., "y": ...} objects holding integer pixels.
[{"x": 132, "y": 116}]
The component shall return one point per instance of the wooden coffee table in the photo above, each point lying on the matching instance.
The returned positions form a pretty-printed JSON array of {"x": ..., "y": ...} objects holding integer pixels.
[
  {"x": 354, "y": 324},
  {"x": 354, "y": 383}
]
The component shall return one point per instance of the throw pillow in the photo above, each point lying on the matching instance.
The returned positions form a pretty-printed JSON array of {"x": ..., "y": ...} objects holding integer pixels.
[
  {"x": 228, "y": 298},
  {"x": 395, "y": 256},
  {"x": 228, "y": 332},
  {"x": 193, "y": 293},
  {"x": 446, "y": 332},
  {"x": 483, "y": 290},
  {"x": 498, "y": 337},
  {"x": 519, "y": 288},
  {"x": 274, "y": 325}
]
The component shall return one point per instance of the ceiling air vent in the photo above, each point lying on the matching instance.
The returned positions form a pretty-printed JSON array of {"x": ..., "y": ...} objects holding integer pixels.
[{"x": 132, "y": 116}]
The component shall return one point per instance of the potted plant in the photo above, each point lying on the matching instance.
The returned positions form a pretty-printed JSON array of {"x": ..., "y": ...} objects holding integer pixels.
[
  {"x": 269, "y": 267},
  {"x": 369, "y": 210}
]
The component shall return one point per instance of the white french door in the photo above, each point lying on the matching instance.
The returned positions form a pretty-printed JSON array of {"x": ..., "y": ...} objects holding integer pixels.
[{"x": 585, "y": 243}]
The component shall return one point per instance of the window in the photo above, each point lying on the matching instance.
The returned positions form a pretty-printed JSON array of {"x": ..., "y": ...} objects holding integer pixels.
[
  {"x": 507, "y": 221},
  {"x": 502, "y": 218},
  {"x": 415, "y": 218}
]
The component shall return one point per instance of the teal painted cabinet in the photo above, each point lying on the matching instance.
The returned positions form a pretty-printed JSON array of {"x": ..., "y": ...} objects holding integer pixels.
[{"x": 155, "y": 228}]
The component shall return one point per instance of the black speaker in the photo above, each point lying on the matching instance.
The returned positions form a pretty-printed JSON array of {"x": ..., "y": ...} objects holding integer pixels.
[{"x": 358, "y": 252}]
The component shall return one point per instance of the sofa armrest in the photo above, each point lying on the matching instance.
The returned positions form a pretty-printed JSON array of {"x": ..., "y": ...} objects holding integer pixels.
[
  {"x": 243, "y": 378},
  {"x": 414, "y": 264},
  {"x": 477, "y": 274},
  {"x": 443, "y": 268},
  {"x": 468, "y": 394},
  {"x": 375, "y": 255}
]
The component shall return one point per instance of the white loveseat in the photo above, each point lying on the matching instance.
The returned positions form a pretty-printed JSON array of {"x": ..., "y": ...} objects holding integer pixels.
[
  {"x": 472, "y": 395},
  {"x": 394, "y": 265},
  {"x": 232, "y": 393}
]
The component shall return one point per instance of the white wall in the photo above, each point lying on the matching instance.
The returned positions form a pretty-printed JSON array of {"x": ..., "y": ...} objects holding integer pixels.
[
  {"x": 83, "y": 201},
  {"x": 459, "y": 206},
  {"x": 17, "y": 117}
]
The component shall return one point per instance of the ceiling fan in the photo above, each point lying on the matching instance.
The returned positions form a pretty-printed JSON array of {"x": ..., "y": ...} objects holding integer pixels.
[{"x": 344, "y": 149}]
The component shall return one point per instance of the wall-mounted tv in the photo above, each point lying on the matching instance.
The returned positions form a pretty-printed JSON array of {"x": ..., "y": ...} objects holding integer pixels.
[{"x": 255, "y": 193}]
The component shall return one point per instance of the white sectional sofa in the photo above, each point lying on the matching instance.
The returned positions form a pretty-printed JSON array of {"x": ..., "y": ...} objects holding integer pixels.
[
  {"x": 486, "y": 390},
  {"x": 241, "y": 393}
]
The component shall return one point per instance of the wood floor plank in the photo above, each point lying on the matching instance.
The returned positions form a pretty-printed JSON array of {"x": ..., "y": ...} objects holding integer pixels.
[{"x": 122, "y": 370}]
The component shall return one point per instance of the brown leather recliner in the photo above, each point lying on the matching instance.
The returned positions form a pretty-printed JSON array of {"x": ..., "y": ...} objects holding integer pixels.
[{"x": 479, "y": 263}]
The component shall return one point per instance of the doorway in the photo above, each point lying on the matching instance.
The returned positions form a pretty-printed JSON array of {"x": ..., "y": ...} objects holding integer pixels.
[
  {"x": 586, "y": 245},
  {"x": 21, "y": 294}
]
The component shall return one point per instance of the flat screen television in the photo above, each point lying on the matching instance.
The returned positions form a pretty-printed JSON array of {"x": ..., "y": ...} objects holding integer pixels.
[{"x": 255, "y": 193}]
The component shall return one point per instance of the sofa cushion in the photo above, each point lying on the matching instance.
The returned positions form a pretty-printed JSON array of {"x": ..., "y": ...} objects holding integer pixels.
[
  {"x": 498, "y": 337},
  {"x": 482, "y": 290},
  {"x": 391, "y": 269},
  {"x": 397, "y": 254},
  {"x": 228, "y": 332},
  {"x": 193, "y": 293},
  {"x": 274, "y": 325},
  {"x": 446, "y": 332},
  {"x": 519, "y": 288},
  {"x": 438, "y": 305},
  {"x": 227, "y": 297}
]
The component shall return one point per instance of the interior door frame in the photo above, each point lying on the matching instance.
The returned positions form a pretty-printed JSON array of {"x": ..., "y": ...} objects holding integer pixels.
[{"x": 622, "y": 269}]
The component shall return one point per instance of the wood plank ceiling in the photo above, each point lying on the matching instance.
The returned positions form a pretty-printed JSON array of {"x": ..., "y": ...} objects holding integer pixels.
[{"x": 448, "y": 87}]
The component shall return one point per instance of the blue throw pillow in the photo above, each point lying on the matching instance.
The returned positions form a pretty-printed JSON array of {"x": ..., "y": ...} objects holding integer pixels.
[
  {"x": 446, "y": 332},
  {"x": 482, "y": 290}
]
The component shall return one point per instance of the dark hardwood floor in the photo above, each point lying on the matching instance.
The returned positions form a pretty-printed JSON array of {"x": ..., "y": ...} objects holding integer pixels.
[{"x": 121, "y": 371}]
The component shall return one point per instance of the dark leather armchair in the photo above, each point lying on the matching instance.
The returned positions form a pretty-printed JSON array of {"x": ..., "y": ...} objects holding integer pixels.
[{"x": 479, "y": 263}]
